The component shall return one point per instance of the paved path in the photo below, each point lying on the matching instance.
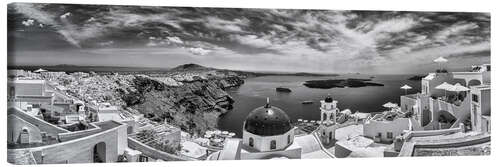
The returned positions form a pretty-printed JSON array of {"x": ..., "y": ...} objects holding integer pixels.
[{"x": 321, "y": 145}]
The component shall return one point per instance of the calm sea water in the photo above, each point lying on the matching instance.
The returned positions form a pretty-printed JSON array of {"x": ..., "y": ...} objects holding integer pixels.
[{"x": 254, "y": 92}]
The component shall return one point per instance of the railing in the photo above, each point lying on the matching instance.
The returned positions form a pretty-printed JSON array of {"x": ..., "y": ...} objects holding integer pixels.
[
  {"x": 154, "y": 153},
  {"x": 407, "y": 136}
]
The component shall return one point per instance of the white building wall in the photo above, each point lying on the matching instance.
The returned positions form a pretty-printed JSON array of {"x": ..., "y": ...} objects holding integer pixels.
[
  {"x": 263, "y": 143},
  {"x": 34, "y": 88},
  {"x": 327, "y": 133},
  {"x": 372, "y": 129}
]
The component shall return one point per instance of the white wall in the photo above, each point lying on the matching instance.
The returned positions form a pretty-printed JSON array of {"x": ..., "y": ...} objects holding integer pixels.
[
  {"x": 397, "y": 126},
  {"x": 14, "y": 127},
  {"x": 263, "y": 143}
]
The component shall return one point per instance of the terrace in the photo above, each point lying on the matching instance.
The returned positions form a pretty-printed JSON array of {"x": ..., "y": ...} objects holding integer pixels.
[
  {"x": 52, "y": 134},
  {"x": 159, "y": 136}
]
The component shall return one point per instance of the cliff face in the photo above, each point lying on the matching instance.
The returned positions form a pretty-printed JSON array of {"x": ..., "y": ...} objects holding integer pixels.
[{"x": 194, "y": 107}]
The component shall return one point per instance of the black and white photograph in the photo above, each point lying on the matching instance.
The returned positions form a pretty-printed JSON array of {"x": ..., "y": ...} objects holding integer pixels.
[{"x": 94, "y": 83}]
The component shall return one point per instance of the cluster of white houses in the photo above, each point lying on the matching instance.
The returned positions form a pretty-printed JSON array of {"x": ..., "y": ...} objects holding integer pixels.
[
  {"x": 268, "y": 132},
  {"x": 45, "y": 125}
]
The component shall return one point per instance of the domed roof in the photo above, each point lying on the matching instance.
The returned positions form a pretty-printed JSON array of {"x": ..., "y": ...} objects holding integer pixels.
[
  {"x": 267, "y": 121},
  {"x": 328, "y": 99}
]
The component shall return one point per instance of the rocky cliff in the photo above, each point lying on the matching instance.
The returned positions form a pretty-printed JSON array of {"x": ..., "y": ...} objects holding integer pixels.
[{"x": 194, "y": 106}]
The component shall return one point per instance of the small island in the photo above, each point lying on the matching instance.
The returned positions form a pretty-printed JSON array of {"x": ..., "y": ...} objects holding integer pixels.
[
  {"x": 340, "y": 83},
  {"x": 283, "y": 89}
]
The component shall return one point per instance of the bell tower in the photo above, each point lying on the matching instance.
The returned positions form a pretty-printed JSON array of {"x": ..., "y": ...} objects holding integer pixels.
[{"x": 329, "y": 110}]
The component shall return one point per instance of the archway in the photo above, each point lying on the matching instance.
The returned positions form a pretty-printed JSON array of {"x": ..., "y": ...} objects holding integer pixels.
[
  {"x": 474, "y": 82},
  {"x": 99, "y": 152}
]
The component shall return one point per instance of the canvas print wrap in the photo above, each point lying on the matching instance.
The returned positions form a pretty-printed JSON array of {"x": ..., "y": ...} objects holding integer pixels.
[{"x": 109, "y": 83}]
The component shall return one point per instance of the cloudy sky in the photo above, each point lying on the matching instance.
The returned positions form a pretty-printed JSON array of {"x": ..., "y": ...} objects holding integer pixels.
[{"x": 245, "y": 39}]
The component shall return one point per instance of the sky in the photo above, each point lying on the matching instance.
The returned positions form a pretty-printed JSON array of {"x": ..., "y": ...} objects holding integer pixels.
[{"x": 325, "y": 41}]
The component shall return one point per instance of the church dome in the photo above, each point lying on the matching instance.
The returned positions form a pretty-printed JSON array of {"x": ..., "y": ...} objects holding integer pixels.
[
  {"x": 328, "y": 99},
  {"x": 267, "y": 121}
]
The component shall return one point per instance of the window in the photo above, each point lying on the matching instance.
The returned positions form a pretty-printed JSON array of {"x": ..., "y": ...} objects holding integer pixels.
[
  {"x": 389, "y": 135},
  {"x": 289, "y": 139},
  {"x": 379, "y": 134},
  {"x": 475, "y": 108},
  {"x": 250, "y": 142},
  {"x": 273, "y": 144},
  {"x": 12, "y": 93},
  {"x": 475, "y": 98},
  {"x": 143, "y": 158},
  {"x": 487, "y": 126}
]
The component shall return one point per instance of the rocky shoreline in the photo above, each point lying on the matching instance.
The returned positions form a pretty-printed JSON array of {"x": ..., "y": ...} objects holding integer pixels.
[{"x": 194, "y": 106}]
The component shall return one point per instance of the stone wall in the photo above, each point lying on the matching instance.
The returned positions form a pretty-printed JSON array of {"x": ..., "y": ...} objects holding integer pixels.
[
  {"x": 81, "y": 150},
  {"x": 154, "y": 153}
]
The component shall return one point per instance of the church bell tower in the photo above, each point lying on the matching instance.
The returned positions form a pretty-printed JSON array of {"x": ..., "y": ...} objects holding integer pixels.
[{"x": 329, "y": 110}]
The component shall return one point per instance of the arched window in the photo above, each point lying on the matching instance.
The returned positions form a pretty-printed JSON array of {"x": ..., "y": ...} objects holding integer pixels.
[
  {"x": 325, "y": 117},
  {"x": 273, "y": 144},
  {"x": 250, "y": 142}
]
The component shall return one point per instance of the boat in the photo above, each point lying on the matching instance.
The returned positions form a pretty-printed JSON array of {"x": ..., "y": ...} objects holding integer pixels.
[
  {"x": 283, "y": 89},
  {"x": 307, "y": 102}
]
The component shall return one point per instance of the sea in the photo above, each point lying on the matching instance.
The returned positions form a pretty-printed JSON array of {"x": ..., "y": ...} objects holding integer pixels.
[{"x": 255, "y": 91}]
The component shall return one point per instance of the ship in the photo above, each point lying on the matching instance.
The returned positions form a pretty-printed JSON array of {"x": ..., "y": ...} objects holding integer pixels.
[
  {"x": 307, "y": 102},
  {"x": 283, "y": 89}
]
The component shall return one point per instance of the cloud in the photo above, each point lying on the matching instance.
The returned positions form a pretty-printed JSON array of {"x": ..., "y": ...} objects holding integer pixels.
[
  {"x": 28, "y": 22},
  {"x": 107, "y": 43},
  {"x": 176, "y": 40},
  {"x": 393, "y": 25},
  {"x": 91, "y": 19},
  {"x": 455, "y": 29},
  {"x": 65, "y": 15},
  {"x": 199, "y": 51},
  {"x": 225, "y": 25},
  {"x": 252, "y": 40}
]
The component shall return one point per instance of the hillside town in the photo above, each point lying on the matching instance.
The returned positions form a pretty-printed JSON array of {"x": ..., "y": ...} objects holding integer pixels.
[
  {"x": 110, "y": 83},
  {"x": 55, "y": 117}
]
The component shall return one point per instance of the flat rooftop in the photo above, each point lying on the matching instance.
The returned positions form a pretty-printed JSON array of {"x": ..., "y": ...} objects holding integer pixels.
[
  {"x": 107, "y": 125},
  {"x": 28, "y": 81}
]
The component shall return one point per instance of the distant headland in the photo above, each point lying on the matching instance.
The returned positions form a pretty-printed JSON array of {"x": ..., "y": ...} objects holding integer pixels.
[{"x": 340, "y": 83}]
